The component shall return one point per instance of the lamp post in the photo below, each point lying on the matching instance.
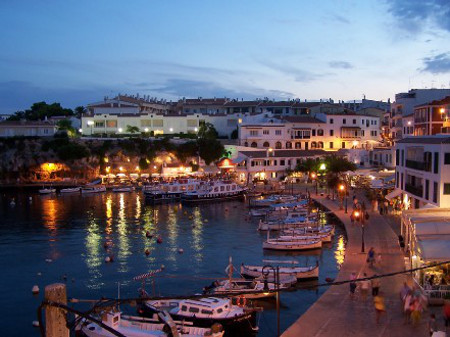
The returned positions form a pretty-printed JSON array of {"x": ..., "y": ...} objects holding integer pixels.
[
  {"x": 341, "y": 188},
  {"x": 91, "y": 124},
  {"x": 314, "y": 178},
  {"x": 357, "y": 215},
  {"x": 276, "y": 272}
]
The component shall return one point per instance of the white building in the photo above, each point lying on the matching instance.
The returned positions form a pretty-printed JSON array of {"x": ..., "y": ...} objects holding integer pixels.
[
  {"x": 423, "y": 170},
  {"x": 27, "y": 129},
  {"x": 324, "y": 131}
]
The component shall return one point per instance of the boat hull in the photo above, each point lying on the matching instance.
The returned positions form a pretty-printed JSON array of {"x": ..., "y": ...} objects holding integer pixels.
[
  {"x": 298, "y": 272},
  {"x": 211, "y": 197},
  {"x": 286, "y": 245},
  {"x": 162, "y": 197}
]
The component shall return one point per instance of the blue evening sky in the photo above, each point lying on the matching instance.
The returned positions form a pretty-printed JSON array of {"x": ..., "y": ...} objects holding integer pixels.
[{"x": 77, "y": 52}]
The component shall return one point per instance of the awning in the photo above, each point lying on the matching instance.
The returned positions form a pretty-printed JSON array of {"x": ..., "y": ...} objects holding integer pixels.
[
  {"x": 434, "y": 250},
  {"x": 393, "y": 194},
  {"x": 432, "y": 228}
]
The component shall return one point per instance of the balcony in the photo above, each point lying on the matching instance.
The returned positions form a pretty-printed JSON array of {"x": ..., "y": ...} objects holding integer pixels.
[
  {"x": 418, "y": 165},
  {"x": 416, "y": 190}
]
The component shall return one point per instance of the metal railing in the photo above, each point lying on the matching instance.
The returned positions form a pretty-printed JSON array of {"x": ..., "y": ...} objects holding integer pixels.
[
  {"x": 418, "y": 165},
  {"x": 416, "y": 190}
]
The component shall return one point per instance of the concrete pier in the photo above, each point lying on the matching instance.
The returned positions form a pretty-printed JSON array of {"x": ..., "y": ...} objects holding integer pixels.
[{"x": 335, "y": 314}]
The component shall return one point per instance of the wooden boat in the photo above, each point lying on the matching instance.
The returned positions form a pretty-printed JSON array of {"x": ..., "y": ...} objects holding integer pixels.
[
  {"x": 277, "y": 225},
  {"x": 47, "y": 190},
  {"x": 140, "y": 327},
  {"x": 309, "y": 272},
  {"x": 93, "y": 189},
  {"x": 301, "y": 244},
  {"x": 273, "y": 199},
  {"x": 298, "y": 235},
  {"x": 71, "y": 190},
  {"x": 204, "y": 312},
  {"x": 250, "y": 289}
]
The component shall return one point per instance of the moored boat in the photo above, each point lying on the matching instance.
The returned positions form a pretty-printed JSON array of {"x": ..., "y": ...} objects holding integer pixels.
[
  {"x": 93, "y": 189},
  {"x": 214, "y": 190},
  {"x": 308, "y": 272},
  {"x": 250, "y": 289},
  {"x": 140, "y": 327},
  {"x": 70, "y": 190},
  {"x": 47, "y": 190},
  {"x": 123, "y": 189},
  {"x": 170, "y": 191}
]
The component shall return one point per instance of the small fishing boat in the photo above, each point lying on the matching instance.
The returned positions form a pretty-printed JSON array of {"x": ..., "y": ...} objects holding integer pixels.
[
  {"x": 283, "y": 267},
  {"x": 298, "y": 235},
  {"x": 271, "y": 200},
  {"x": 277, "y": 225},
  {"x": 204, "y": 312},
  {"x": 123, "y": 189},
  {"x": 93, "y": 189},
  {"x": 301, "y": 244},
  {"x": 47, "y": 190},
  {"x": 140, "y": 327},
  {"x": 71, "y": 190},
  {"x": 250, "y": 289}
]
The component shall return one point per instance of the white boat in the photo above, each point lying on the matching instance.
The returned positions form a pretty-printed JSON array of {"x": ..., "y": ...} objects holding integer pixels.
[
  {"x": 308, "y": 272},
  {"x": 170, "y": 191},
  {"x": 140, "y": 327},
  {"x": 123, "y": 189},
  {"x": 276, "y": 225},
  {"x": 47, "y": 190},
  {"x": 71, "y": 190},
  {"x": 214, "y": 190},
  {"x": 299, "y": 235},
  {"x": 93, "y": 189},
  {"x": 301, "y": 244},
  {"x": 204, "y": 312},
  {"x": 250, "y": 289},
  {"x": 273, "y": 199}
]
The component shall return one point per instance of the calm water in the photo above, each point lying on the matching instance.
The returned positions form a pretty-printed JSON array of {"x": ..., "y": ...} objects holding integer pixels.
[{"x": 72, "y": 231}]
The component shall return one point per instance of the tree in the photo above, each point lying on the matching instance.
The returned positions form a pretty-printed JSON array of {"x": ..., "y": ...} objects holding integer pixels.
[
  {"x": 132, "y": 129},
  {"x": 143, "y": 165},
  {"x": 209, "y": 148},
  {"x": 338, "y": 165},
  {"x": 207, "y": 131},
  {"x": 66, "y": 125},
  {"x": 41, "y": 110},
  {"x": 80, "y": 110},
  {"x": 308, "y": 166}
]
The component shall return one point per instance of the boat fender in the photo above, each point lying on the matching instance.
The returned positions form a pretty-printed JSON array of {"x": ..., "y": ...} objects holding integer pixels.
[
  {"x": 35, "y": 324},
  {"x": 35, "y": 290},
  {"x": 180, "y": 251},
  {"x": 242, "y": 301}
]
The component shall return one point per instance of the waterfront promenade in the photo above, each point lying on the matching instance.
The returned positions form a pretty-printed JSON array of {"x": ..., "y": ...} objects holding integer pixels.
[{"x": 335, "y": 313}]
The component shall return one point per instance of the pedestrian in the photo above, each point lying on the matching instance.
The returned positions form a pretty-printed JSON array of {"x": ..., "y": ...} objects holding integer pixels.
[
  {"x": 380, "y": 308},
  {"x": 386, "y": 207},
  {"x": 379, "y": 259},
  {"x": 446, "y": 312},
  {"x": 432, "y": 324},
  {"x": 371, "y": 257},
  {"x": 404, "y": 291},
  {"x": 364, "y": 284},
  {"x": 352, "y": 285},
  {"x": 416, "y": 311},
  {"x": 407, "y": 306},
  {"x": 375, "y": 285}
]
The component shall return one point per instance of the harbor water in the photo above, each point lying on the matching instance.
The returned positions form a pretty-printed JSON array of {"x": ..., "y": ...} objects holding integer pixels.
[{"x": 66, "y": 238}]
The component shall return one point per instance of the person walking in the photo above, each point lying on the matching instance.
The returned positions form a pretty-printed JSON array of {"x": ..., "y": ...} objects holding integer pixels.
[
  {"x": 379, "y": 259},
  {"x": 375, "y": 285},
  {"x": 380, "y": 309},
  {"x": 352, "y": 286},
  {"x": 365, "y": 285},
  {"x": 432, "y": 324},
  {"x": 407, "y": 299},
  {"x": 371, "y": 257},
  {"x": 416, "y": 311}
]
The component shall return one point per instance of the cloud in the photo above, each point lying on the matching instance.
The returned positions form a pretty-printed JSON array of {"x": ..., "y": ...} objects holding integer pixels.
[
  {"x": 299, "y": 75},
  {"x": 415, "y": 15},
  {"x": 340, "y": 65},
  {"x": 341, "y": 19},
  {"x": 437, "y": 64}
]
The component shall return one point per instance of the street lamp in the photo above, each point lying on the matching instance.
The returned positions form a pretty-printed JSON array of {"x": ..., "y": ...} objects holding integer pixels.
[
  {"x": 314, "y": 178},
  {"x": 341, "y": 188},
  {"x": 357, "y": 215},
  {"x": 276, "y": 273},
  {"x": 91, "y": 124}
]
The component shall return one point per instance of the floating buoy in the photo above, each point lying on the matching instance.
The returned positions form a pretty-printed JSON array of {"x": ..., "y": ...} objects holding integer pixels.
[
  {"x": 147, "y": 252},
  {"x": 159, "y": 240},
  {"x": 107, "y": 259},
  {"x": 147, "y": 234},
  {"x": 190, "y": 217},
  {"x": 163, "y": 266},
  {"x": 35, "y": 324},
  {"x": 180, "y": 251},
  {"x": 48, "y": 260},
  {"x": 206, "y": 220},
  {"x": 35, "y": 290},
  {"x": 39, "y": 274}
]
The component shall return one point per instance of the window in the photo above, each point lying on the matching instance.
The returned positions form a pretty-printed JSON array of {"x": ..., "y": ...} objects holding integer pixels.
[
  {"x": 447, "y": 158},
  {"x": 344, "y": 121},
  {"x": 191, "y": 122},
  {"x": 313, "y": 145},
  {"x": 427, "y": 187},
  {"x": 354, "y": 121},
  {"x": 254, "y": 144},
  {"x": 343, "y": 145},
  {"x": 298, "y": 145},
  {"x": 183, "y": 308},
  {"x": 401, "y": 181},
  {"x": 278, "y": 145},
  {"x": 331, "y": 120},
  {"x": 282, "y": 162},
  {"x": 195, "y": 310},
  {"x": 266, "y": 144},
  {"x": 99, "y": 124},
  {"x": 435, "y": 191},
  {"x": 313, "y": 132},
  {"x": 278, "y": 132},
  {"x": 436, "y": 162},
  {"x": 396, "y": 179},
  {"x": 331, "y": 133},
  {"x": 403, "y": 158},
  {"x": 288, "y": 145},
  {"x": 319, "y": 132},
  {"x": 158, "y": 122},
  {"x": 266, "y": 132},
  {"x": 362, "y": 121},
  {"x": 397, "y": 158},
  {"x": 446, "y": 188},
  {"x": 246, "y": 144},
  {"x": 253, "y": 132},
  {"x": 320, "y": 145},
  {"x": 111, "y": 124},
  {"x": 331, "y": 145},
  {"x": 207, "y": 312}
]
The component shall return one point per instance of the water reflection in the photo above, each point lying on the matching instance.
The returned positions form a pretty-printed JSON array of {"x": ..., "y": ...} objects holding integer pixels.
[
  {"x": 122, "y": 231},
  {"x": 339, "y": 253},
  {"x": 93, "y": 252},
  {"x": 172, "y": 229},
  {"x": 197, "y": 239}
]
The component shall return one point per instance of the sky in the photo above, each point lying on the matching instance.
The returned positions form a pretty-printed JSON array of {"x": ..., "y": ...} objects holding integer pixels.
[{"x": 77, "y": 52}]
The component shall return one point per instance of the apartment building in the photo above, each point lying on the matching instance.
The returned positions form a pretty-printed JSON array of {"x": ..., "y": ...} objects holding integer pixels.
[
  {"x": 423, "y": 170},
  {"x": 432, "y": 118},
  {"x": 324, "y": 131},
  {"x": 27, "y": 129}
]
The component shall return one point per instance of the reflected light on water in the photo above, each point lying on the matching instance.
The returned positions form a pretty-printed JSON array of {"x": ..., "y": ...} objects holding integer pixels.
[
  {"x": 138, "y": 208},
  {"x": 94, "y": 252},
  {"x": 339, "y": 254},
  {"x": 197, "y": 231},
  {"x": 124, "y": 243},
  {"x": 49, "y": 216},
  {"x": 172, "y": 231},
  {"x": 109, "y": 219}
]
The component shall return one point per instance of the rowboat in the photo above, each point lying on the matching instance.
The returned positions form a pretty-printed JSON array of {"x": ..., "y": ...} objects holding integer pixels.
[
  {"x": 123, "y": 189},
  {"x": 93, "y": 189},
  {"x": 46, "y": 190},
  {"x": 70, "y": 190},
  {"x": 301, "y": 244},
  {"x": 308, "y": 272}
]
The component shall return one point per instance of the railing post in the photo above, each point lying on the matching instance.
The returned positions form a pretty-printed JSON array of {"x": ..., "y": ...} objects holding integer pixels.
[{"x": 55, "y": 318}]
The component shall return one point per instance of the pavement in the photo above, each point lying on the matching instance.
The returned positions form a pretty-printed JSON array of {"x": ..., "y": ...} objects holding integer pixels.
[{"x": 335, "y": 313}]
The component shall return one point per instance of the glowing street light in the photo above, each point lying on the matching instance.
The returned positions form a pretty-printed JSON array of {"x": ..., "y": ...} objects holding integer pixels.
[
  {"x": 91, "y": 124},
  {"x": 323, "y": 167},
  {"x": 146, "y": 129},
  {"x": 120, "y": 130},
  {"x": 196, "y": 129},
  {"x": 171, "y": 129}
]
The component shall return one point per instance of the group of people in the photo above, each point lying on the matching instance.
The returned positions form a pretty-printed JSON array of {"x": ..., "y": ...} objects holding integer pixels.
[
  {"x": 414, "y": 303},
  {"x": 364, "y": 287}
]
